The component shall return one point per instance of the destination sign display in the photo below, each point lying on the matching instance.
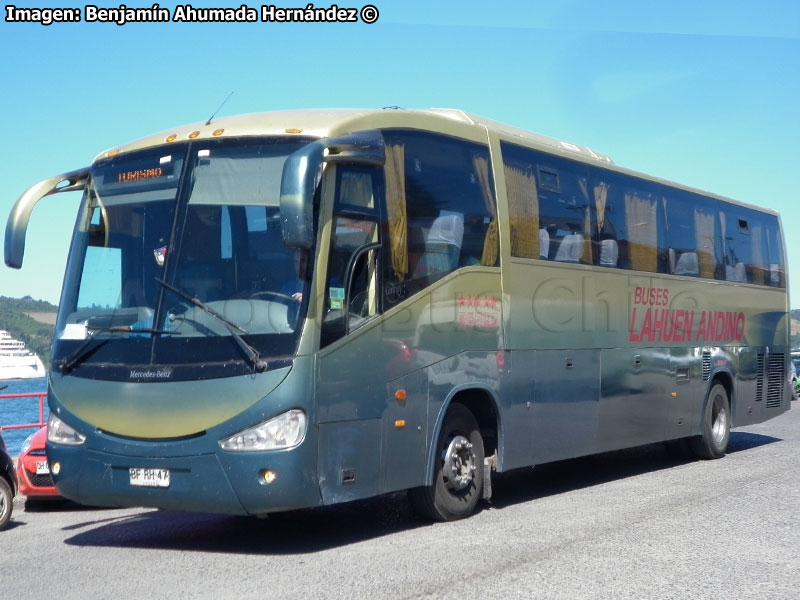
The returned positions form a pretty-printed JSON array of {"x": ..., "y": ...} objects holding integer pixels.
[
  {"x": 151, "y": 168},
  {"x": 139, "y": 174}
]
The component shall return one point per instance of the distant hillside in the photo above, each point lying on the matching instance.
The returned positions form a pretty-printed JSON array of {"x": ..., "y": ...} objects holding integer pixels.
[{"x": 36, "y": 331}]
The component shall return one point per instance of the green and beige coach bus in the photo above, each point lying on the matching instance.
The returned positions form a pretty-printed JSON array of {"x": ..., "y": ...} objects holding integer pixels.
[{"x": 294, "y": 309}]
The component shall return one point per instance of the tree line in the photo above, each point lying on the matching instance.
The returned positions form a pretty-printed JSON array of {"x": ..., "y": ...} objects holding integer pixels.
[{"x": 14, "y": 319}]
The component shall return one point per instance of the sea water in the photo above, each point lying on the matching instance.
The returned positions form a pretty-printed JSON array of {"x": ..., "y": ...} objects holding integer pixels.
[{"x": 18, "y": 411}]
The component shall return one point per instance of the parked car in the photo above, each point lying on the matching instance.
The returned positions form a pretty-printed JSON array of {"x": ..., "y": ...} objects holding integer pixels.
[
  {"x": 33, "y": 469},
  {"x": 795, "y": 384},
  {"x": 8, "y": 485}
]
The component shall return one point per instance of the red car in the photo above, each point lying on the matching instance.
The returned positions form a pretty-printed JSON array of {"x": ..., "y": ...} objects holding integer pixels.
[{"x": 33, "y": 470}]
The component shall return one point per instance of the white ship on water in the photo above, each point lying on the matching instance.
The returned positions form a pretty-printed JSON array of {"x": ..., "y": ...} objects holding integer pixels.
[{"x": 16, "y": 361}]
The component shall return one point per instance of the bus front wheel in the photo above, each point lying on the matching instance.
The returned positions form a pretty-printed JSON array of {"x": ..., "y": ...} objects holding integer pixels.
[
  {"x": 458, "y": 479},
  {"x": 713, "y": 441}
]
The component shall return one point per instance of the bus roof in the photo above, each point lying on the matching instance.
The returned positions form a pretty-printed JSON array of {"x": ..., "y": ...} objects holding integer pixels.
[
  {"x": 339, "y": 121},
  {"x": 321, "y": 123}
]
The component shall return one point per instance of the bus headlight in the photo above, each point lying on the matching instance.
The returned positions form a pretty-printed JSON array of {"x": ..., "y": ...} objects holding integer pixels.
[
  {"x": 284, "y": 431},
  {"x": 59, "y": 432}
]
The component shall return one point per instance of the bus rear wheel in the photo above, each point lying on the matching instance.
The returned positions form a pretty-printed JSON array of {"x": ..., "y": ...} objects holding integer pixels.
[
  {"x": 458, "y": 479},
  {"x": 713, "y": 441}
]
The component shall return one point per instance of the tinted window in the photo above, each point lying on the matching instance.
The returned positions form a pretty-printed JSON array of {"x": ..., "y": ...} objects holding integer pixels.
[
  {"x": 440, "y": 209},
  {"x": 752, "y": 247},
  {"x": 693, "y": 241},
  {"x": 627, "y": 222},
  {"x": 351, "y": 291},
  {"x": 549, "y": 208},
  {"x": 775, "y": 272}
]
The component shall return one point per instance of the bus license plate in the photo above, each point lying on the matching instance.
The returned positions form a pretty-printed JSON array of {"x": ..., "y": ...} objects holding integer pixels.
[
  {"x": 149, "y": 477},
  {"x": 42, "y": 468}
]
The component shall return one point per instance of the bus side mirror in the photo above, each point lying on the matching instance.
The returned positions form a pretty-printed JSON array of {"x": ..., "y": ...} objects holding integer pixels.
[
  {"x": 17, "y": 225},
  {"x": 302, "y": 171}
]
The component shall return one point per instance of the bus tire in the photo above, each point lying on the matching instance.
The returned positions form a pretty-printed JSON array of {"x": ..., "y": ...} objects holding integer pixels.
[
  {"x": 458, "y": 477},
  {"x": 6, "y": 502},
  {"x": 713, "y": 441}
]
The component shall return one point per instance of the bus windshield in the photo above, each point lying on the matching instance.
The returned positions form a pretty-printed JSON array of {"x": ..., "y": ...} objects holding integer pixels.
[{"x": 175, "y": 248}]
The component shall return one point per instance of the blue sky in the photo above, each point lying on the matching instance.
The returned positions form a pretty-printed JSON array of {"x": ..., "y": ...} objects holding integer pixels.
[{"x": 705, "y": 94}]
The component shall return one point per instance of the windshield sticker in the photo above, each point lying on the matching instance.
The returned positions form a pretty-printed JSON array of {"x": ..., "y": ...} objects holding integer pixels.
[
  {"x": 395, "y": 292},
  {"x": 336, "y": 295},
  {"x": 160, "y": 254}
]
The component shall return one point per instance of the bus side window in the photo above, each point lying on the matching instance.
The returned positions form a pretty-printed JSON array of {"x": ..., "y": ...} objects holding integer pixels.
[
  {"x": 626, "y": 221},
  {"x": 351, "y": 290},
  {"x": 775, "y": 273},
  {"x": 743, "y": 252},
  {"x": 550, "y": 213},
  {"x": 693, "y": 239},
  {"x": 441, "y": 213}
]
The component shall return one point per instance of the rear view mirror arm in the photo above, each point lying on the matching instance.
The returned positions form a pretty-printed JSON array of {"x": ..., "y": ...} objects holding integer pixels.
[{"x": 17, "y": 225}]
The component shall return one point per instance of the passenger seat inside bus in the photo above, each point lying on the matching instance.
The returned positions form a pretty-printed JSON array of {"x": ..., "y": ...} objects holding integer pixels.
[
  {"x": 736, "y": 273},
  {"x": 544, "y": 244},
  {"x": 570, "y": 248},
  {"x": 686, "y": 263},
  {"x": 442, "y": 245},
  {"x": 609, "y": 253}
]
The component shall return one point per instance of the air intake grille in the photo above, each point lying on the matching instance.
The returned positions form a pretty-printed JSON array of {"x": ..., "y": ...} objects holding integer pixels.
[
  {"x": 706, "y": 364},
  {"x": 759, "y": 377},
  {"x": 43, "y": 480},
  {"x": 775, "y": 377}
]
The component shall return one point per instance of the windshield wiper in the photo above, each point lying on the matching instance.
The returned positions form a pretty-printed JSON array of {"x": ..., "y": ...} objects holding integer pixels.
[
  {"x": 251, "y": 353},
  {"x": 81, "y": 352},
  {"x": 131, "y": 329}
]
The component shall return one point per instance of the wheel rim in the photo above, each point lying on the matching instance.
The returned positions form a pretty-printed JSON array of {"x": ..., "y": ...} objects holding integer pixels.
[
  {"x": 719, "y": 420},
  {"x": 459, "y": 464}
]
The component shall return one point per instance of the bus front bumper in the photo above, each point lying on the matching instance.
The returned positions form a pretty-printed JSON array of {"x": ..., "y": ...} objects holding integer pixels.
[{"x": 224, "y": 482}]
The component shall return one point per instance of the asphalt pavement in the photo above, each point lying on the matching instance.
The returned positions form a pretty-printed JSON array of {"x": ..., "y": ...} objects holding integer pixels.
[{"x": 628, "y": 524}]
